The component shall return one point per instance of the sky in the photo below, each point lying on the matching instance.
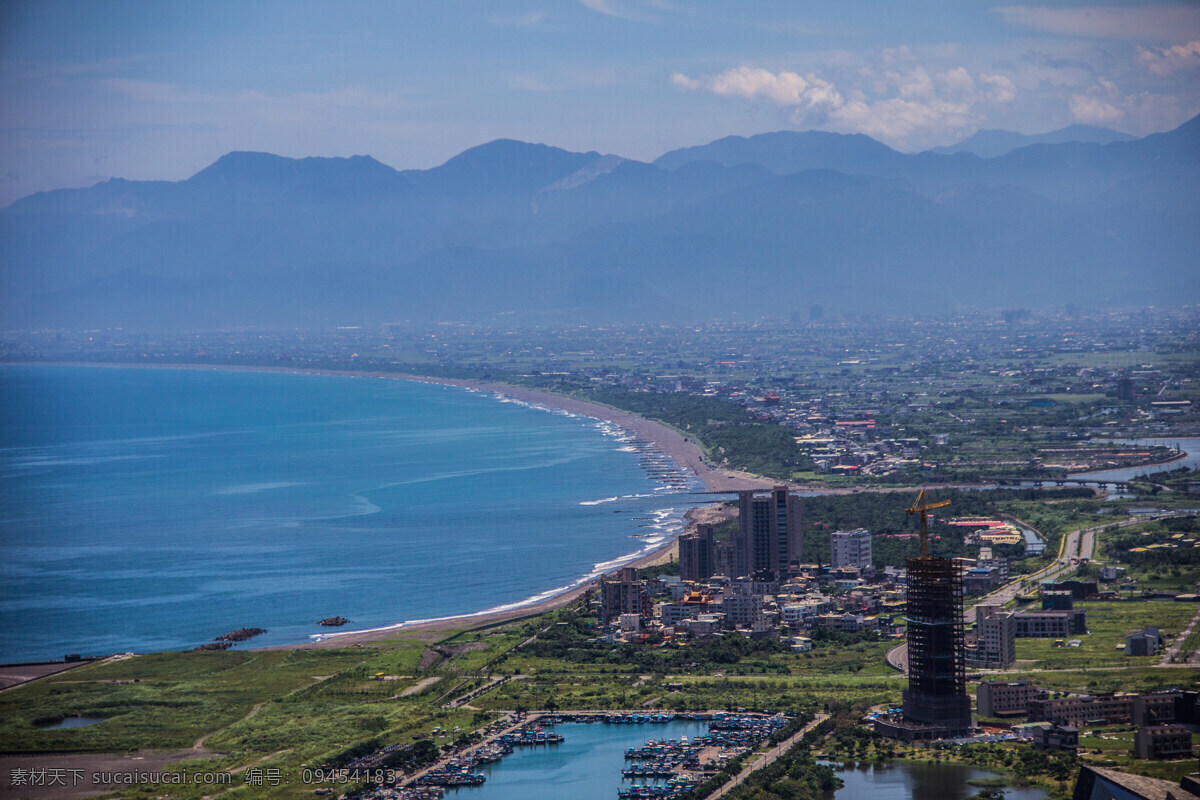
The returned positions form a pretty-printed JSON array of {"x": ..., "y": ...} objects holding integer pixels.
[{"x": 159, "y": 89}]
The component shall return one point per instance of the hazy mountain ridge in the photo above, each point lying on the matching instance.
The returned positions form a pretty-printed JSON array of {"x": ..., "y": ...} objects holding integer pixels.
[
  {"x": 990, "y": 143},
  {"x": 765, "y": 224}
]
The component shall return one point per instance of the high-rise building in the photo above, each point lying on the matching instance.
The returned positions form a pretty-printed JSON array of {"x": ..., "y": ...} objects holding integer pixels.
[
  {"x": 622, "y": 592},
  {"x": 937, "y": 681},
  {"x": 851, "y": 548},
  {"x": 696, "y": 556},
  {"x": 768, "y": 535},
  {"x": 995, "y": 638}
]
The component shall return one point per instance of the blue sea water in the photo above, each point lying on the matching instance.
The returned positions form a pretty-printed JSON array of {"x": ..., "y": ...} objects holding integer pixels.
[{"x": 153, "y": 509}]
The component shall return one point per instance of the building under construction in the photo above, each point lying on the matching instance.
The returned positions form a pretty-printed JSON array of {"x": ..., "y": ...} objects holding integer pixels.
[
  {"x": 936, "y": 704},
  {"x": 937, "y": 682}
]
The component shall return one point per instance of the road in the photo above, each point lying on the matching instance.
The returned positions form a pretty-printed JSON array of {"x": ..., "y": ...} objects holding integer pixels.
[
  {"x": 1176, "y": 645},
  {"x": 766, "y": 758}
]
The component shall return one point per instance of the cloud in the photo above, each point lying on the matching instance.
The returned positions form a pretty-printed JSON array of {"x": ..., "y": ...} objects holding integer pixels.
[
  {"x": 652, "y": 11},
  {"x": 914, "y": 82},
  {"x": 1164, "y": 62},
  {"x": 1092, "y": 110},
  {"x": 607, "y": 8},
  {"x": 1157, "y": 23},
  {"x": 528, "y": 82},
  {"x": 529, "y": 20},
  {"x": 809, "y": 95},
  {"x": 905, "y": 104},
  {"x": 899, "y": 118},
  {"x": 998, "y": 88},
  {"x": 1106, "y": 103},
  {"x": 957, "y": 80}
]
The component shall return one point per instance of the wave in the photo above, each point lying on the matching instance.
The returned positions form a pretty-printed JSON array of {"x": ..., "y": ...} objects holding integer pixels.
[
  {"x": 38, "y": 462},
  {"x": 471, "y": 473},
  {"x": 255, "y": 488},
  {"x": 598, "y": 502}
]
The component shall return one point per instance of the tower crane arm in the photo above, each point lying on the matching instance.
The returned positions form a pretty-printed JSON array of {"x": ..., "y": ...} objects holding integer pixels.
[{"x": 919, "y": 506}]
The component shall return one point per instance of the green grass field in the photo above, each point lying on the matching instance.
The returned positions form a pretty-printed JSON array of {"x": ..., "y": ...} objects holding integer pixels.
[{"x": 1108, "y": 624}]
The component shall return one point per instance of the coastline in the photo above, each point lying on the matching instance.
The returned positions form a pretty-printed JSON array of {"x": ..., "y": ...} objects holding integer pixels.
[{"x": 685, "y": 453}]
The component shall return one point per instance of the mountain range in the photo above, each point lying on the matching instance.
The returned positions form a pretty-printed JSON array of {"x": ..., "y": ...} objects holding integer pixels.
[
  {"x": 764, "y": 225},
  {"x": 990, "y": 143}
]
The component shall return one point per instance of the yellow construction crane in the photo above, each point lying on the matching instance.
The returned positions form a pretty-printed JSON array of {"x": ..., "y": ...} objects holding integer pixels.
[{"x": 923, "y": 508}]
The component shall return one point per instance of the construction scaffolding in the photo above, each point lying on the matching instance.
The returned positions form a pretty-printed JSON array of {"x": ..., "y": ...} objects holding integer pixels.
[{"x": 937, "y": 682}]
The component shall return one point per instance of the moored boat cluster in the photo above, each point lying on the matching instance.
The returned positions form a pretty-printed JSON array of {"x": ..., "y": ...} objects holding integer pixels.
[{"x": 667, "y": 768}]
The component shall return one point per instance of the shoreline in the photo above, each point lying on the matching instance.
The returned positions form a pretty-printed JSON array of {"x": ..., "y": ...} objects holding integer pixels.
[{"x": 685, "y": 453}]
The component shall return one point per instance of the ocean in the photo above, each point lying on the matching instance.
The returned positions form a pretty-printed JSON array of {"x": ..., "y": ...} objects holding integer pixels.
[{"x": 154, "y": 509}]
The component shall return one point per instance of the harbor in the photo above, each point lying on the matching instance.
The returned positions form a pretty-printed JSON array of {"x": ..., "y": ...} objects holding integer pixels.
[{"x": 604, "y": 754}]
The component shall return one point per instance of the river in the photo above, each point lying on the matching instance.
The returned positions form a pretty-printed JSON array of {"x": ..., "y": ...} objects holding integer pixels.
[{"x": 1191, "y": 448}]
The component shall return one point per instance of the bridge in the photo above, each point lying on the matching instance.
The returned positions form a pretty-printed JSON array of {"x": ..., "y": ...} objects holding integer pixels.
[{"x": 1120, "y": 486}]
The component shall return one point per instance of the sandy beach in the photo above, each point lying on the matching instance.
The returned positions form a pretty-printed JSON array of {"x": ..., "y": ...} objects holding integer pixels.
[{"x": 683, "y": 450}]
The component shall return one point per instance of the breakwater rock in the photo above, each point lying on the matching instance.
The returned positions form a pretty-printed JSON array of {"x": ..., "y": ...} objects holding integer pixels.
[{"x": 241, "y": 635}]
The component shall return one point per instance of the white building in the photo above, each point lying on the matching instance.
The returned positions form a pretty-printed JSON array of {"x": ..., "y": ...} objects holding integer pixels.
[
  {"x": 995, "y": 638},
  {"x": 851, "y": 548}
]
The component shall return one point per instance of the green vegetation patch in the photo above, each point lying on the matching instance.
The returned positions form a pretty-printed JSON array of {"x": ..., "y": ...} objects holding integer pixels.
[
  {"x": 1108, "y": 624},
  {"x": 163, "y": 700}
]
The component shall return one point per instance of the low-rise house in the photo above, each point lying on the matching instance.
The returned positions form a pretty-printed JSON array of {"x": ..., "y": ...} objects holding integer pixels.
[
  {"x": 1006, "y": 698},
  {"x": 1143, "y": 643},
  {"x": 1050, "y": 624},
  {"x": 704, "y": 624},
  {"x": 1156, "y": 708},
  {"x": 1083, "y": 709},
  {"x": 1053, "y": 600},
  {"x": 1163, "y": 742},
  {"x": 980, "y": 580},
  {"x": 1055, "y": 737}
]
